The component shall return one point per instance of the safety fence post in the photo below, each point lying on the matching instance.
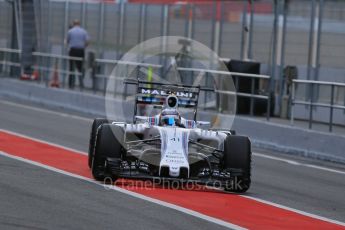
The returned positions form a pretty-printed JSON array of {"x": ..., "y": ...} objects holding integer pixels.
[{"x": 331, "y": 109}]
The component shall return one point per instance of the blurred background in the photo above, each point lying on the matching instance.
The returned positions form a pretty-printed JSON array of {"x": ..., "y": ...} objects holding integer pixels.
[{"x": 286, "y": 44}]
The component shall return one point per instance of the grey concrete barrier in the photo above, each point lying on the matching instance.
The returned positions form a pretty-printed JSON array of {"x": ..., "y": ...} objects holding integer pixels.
[
  {"x": 292, "y": 140},
  {"x": 54, "y": 97},
  {"x": 266, "y": 135}
]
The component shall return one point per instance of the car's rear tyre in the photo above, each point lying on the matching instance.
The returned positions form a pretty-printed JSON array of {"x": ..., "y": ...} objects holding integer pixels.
[
  {"x": 237, "y": 159},
  {"x": 108, "y": 150},
  {"x": 96, "y": 123}
]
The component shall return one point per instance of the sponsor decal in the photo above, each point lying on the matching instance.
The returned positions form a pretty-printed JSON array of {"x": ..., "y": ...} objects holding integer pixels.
[{"x": 165, "y": 93}]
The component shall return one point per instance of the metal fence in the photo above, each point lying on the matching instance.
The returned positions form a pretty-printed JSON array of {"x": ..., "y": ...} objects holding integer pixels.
[
  {"x": 336, "y": 99},
  {"x": 305, "y": 33},
  {"x": 53, "y": 67}
]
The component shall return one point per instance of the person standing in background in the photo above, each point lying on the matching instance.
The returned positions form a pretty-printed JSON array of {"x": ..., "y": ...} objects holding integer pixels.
[{"x": 77, "y": 40}]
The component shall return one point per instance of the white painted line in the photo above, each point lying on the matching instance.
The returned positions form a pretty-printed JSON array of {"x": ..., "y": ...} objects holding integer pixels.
[
  {"x": 292, "y": 162},
  {"x": 133, "y": 194},
  {"x": 43, "y": 142},
  {"x": 323, "y": 168},
  {"x": 46, "y": 111},
  {"x": 295, "y": 210}
]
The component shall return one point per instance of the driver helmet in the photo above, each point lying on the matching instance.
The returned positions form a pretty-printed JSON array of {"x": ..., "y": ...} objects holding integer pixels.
[{"x": 170, "y": 117}]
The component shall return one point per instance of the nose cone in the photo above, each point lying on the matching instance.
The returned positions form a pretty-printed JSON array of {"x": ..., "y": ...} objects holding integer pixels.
[{"x": 174, "y": 171}]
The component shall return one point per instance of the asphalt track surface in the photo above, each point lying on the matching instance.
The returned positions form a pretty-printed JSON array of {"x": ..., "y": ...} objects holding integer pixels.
[{"x": 35, "y": 198}]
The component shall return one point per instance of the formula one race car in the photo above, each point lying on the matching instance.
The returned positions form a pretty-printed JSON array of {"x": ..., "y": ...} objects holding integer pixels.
[{"x": 167, "y": 146}]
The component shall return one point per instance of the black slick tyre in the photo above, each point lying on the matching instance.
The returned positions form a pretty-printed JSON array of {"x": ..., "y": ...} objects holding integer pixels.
[
  {"x": 108, "y": 149},
  {"x": 95, "y": 125},
  {"x": 237, "y": 159}
]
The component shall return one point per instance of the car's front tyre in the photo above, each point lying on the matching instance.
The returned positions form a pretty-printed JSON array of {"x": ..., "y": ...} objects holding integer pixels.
[
  {"x": 237, "y": 159},
  {"x": 108, "y": 152},
  {"x": 95, "y": 125}
]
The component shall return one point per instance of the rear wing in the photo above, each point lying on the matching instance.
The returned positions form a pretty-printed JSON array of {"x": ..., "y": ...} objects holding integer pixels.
[{"x": 154, "y": 93}]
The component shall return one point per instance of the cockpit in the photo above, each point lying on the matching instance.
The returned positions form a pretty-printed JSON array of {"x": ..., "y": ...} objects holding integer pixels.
[{"x": 169, "y": 115}]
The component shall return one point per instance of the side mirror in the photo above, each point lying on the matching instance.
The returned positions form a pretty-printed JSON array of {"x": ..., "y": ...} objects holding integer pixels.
[
  {"x": 202, "y": 123},
  {"x": 158, "y": 107},
  {"x": 140, "y": 118}
]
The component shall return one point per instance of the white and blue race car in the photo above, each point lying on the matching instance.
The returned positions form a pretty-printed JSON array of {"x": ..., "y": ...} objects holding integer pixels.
[{"x": 167, "y": 146}]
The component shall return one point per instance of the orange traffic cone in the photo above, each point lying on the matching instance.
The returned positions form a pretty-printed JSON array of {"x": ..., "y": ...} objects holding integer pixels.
[
  {"x": 25, "y": 77},
  {"x": 35, "y": 75},
  {"x": 55, "y": 79}
]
